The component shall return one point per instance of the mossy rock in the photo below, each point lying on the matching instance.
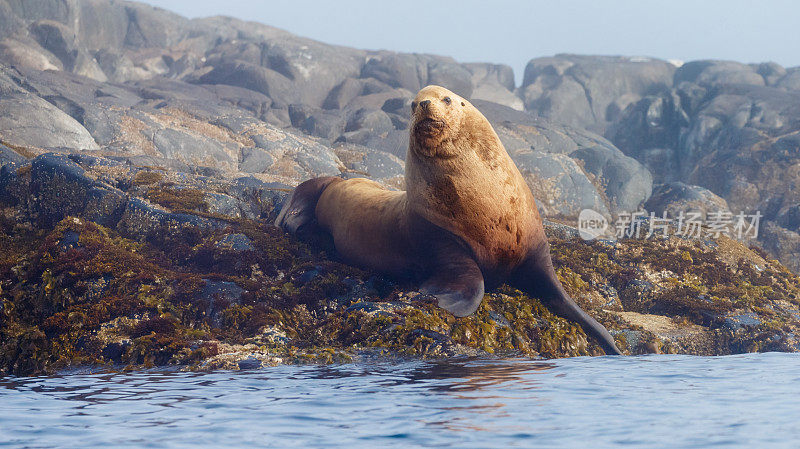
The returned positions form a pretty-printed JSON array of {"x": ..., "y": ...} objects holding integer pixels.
[{"x": 79, "y": 292}]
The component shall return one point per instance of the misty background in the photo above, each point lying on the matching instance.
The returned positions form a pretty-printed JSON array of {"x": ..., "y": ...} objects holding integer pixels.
[{"x": 513, "y": 32}]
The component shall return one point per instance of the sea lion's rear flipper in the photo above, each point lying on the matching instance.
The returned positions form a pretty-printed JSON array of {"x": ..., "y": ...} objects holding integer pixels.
[
  {"x": 299, "y": 208},
  {"x": 455, "y": 280},
  {"x": 537, "y": 277}
]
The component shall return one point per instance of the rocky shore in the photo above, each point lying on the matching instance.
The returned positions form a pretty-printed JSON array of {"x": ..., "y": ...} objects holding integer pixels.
[{"x": 106, "y": 263}]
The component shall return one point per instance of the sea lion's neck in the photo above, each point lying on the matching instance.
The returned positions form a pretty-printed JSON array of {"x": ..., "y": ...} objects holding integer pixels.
[{"x": 471, "y": 193}]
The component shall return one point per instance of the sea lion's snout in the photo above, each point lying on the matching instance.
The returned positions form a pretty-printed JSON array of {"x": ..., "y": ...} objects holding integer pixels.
[
  {"x": 424, "y": 104},
  {"x": 428, "y": 126}
]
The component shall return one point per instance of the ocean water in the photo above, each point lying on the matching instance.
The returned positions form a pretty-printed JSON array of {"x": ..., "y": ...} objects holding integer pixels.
[{"x": 669, "y": 401}]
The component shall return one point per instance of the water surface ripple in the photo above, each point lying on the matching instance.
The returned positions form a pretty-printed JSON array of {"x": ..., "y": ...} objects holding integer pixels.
[{"x": 750, "y": 400}]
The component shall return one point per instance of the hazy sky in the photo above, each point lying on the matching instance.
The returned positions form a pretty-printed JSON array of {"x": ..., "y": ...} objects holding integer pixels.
[{"x": 513, "y": 32}]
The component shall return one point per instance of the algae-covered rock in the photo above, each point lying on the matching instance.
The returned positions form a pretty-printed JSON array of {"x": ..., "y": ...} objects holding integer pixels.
[{"x": 163, "y": 278}]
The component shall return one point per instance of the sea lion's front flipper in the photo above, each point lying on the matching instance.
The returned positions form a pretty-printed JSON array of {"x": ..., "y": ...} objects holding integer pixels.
[
  {"x": 455, "y": 281},
  {"x": 537, "y": 277}
]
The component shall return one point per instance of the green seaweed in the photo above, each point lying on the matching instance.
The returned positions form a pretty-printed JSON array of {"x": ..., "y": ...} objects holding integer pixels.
[{"x": 113, "y": 299}]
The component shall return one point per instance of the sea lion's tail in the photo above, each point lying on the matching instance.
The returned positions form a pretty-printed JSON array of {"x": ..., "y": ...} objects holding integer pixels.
[
  {"x": 537, "y": 277},
  {"x": 299, "y": 208}
]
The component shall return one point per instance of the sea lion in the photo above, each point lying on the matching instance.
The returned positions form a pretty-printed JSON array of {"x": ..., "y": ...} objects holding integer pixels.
[{"x": 466, "y": 222}]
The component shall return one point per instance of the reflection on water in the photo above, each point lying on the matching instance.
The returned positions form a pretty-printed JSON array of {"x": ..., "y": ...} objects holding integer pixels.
[{"x": 653, "y": 401}]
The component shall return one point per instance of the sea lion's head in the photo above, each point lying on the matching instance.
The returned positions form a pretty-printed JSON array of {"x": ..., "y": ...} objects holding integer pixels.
[{"x": 436, "y": 116}]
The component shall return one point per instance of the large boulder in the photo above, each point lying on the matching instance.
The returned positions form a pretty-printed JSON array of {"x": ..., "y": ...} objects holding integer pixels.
[
  {"x": 590, "y": 91},
  {"x": 414, "y": 72},
  {"x": 676, "y": 198},
  {"x": 60, "y": 187},
  {"x": 790, "y": 81},
  {"x": 715, "y": 130},
  {"x": 561, "y": 187},
  {"x": 27, "y": 54},
  {"x": 27, "y": 120},
  {"x": 715, "y": 73},
  {"x": 781, "y": 242},
  {"x": 495, "y": 83},
  {"x": 61, "y": 41},
  {"x": 625, "y": 182}
]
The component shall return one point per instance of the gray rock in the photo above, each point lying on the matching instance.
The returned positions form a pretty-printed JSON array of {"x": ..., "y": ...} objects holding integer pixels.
[
  {"x": 394, "y": 142},
  {"x": 9, "y": 156},
  {"x": 740, "y": 321},
  {"x": 413, "y": 72},
  {"x": 249, "y": 363},
  {"x": 227, "y": 205},
  {"x": 118, "y": 67},
  {"x": 399, "y": 105},
  {"x": 789, "y": 218},
  {"x": 255, "y": 160},
  {"x": 452, "y": 76},
  {"x": 589, "y": 92},
  {"x": 288, "y": 69},
  {"x": 27, "y": 54},
  {"x": 375, "y": 121},
  {"x": 377, "y": 165},
  {"x": 736, "y": 140},
  {"x": 70, "y": 240},
  {"x": 781, "y": 242},
  {"x": 194, "y": 149},
  {"x": 627, "y": 184},
  {"x": 255, "y": 102},
  {"x": 344, "y": 93},
  {"x": 235, "y": 242},
  {"x": 790, "y": 81},
  {"x": 495, "y": 83},
  {"x": 396, "y": 70},
  {"x": 59, "y": 187},
  {"x": 142, "y": 220},
  {"x": 376, "y": 100},
  {"x": 500, "y": 74},
  {"x": 253, "y": 77},
  {"x": 104, "y": 205},
  {"x": 14, "y": 187},
  {"x": 675, "y": 198},
  {"x": 714, "y": 73},
  {"x": 770, "y": 71},
  {"x": 559, "y": 185},
  {"x": 317, "y": 122},
  {"x": 649, "y": 130},
  {"x": 42, "y": 125},
  {"x": 58, "y": 39}
]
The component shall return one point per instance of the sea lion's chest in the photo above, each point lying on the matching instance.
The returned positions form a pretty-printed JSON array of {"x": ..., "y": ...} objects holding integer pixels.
[{"x": 495, "y": 215}]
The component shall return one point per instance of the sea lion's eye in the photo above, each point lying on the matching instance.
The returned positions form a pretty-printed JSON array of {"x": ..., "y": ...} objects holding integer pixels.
[
  {"x": 446, "y": 100},
  {"x": 413, "y": 106},
  {"x": 463, "y": 104}
]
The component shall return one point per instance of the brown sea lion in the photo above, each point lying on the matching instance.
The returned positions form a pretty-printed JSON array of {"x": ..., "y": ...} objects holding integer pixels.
[{"x": 466, "y": 222}]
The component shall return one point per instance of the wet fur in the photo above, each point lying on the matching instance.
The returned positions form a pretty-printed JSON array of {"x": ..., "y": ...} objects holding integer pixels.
[{"x": 467, "y": 222}]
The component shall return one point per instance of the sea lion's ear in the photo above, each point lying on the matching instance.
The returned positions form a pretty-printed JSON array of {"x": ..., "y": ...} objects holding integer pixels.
[{"x": 456, "y": 281}]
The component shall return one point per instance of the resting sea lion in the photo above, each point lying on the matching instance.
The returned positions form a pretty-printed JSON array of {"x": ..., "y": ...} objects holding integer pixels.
[{"x": 466, "y": 222}]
